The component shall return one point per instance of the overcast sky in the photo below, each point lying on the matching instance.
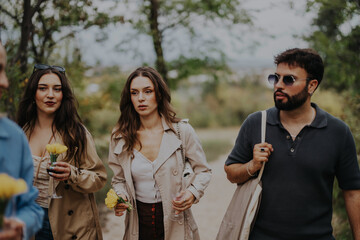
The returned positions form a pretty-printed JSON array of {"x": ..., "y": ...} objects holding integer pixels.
[{"x": 275, "y": 17}]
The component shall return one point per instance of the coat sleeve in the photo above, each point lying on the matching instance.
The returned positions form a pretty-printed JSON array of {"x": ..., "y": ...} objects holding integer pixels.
[
  {"x": 196, "y": 156},
  {"x": 118, "y": 181},
  {"x": 92, "y": 176}
]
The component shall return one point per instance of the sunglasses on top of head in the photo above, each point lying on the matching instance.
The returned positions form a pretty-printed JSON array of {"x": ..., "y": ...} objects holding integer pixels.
[
  {"x": 40, "y": 66},
  {"x": 288, "y": 80}
]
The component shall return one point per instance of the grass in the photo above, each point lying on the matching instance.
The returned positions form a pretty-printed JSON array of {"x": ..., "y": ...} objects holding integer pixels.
[
  {"x": 215, "y": 148},
  {"x": 217, "y": 141}
]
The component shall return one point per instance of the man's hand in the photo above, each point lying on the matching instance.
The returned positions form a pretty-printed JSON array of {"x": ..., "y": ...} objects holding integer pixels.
[
  {"x": 12, "y": 230},
  {"x": 261, "y": 154}
]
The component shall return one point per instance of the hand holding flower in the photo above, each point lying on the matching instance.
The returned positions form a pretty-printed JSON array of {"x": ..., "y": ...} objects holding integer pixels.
[
  {"x": 119, "y": 203},
  {"x": 8, "y": 188},
  {"x": 120, "y": 208},
  {"x": 61, "y": 171}
]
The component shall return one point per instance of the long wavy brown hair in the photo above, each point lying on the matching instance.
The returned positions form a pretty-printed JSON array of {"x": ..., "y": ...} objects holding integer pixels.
[
  {"x": 66, "y": 121},
  {"x": 129, "y": 121}
]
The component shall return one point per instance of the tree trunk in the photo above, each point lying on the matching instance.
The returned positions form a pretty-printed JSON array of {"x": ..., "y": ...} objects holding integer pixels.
[
  {"x": 157, "y": 39},
  {"x": 20, "y": 60},
  {"x": 26, "y": 26}
]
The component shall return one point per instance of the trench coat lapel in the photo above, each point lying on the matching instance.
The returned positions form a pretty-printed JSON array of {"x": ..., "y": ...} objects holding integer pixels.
[
  {"x": 169, "y": 144},
  {"x": 119, "y": 146}
]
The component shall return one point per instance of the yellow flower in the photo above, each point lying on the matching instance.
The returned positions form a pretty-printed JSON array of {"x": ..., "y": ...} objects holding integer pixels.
[
  {"x": 10, "y": 186},
  {"x": 56, "y": 148},
  {"x": 50, "y": 148},
  {"x": 20, "y": 186},
  {"x": 111, "y": 199},
  {"x": 60, "y": 149}
]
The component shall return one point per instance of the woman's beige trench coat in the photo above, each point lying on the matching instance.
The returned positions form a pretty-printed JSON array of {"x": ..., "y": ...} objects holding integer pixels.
[
  {"x": 168, "y": 177},
  {"x": 75, "y": 215}
]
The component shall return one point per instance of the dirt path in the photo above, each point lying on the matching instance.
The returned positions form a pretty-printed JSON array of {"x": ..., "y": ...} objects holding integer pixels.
[
  {"x": 208, "y": 212},
  {"x": 211, "y": 208}
]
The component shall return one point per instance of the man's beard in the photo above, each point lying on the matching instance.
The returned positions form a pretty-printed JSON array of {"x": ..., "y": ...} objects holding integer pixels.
[{"x": 292, "y": 102}]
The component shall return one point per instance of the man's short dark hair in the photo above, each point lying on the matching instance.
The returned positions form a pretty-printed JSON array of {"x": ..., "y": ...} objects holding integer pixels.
[{"x": 305, "y": 58}]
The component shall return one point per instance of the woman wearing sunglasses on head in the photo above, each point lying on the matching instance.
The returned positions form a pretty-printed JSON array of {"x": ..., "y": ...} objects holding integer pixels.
[
  {"x": 48, "y": 114},
  {"x": 147, "y": 153}
]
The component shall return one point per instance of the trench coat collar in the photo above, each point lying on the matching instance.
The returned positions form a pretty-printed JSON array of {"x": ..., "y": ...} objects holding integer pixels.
[
  {"x": 168, "y": 141},
  {"x": 169, "y": 144}
]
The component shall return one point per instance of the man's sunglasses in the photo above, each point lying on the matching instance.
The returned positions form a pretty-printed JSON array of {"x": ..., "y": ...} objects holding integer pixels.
[
  {"x": 288, "y": 80},
  {"x": 40, "y": 66}
]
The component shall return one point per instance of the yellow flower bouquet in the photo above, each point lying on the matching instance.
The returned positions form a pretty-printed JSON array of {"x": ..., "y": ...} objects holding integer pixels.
[
  {"x": 55, "y": 150},
  {"x": 9, "y": 187},
  {"x": 112, "y": 199}
]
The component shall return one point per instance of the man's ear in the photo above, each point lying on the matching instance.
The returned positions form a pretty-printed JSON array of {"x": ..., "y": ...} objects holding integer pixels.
[{"x": 312, "y": 86}]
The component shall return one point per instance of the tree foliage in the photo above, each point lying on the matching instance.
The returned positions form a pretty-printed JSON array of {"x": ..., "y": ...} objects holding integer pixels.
[
  {"x": 34, "y": 29},
  {"x": 337, "y": 38},
  {"x": 165, "y": 21}
]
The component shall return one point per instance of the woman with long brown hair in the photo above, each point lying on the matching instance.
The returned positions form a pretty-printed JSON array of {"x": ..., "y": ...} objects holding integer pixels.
[
  {"x": 147, "y": 154},
  {"x": 48, "y": 114}
]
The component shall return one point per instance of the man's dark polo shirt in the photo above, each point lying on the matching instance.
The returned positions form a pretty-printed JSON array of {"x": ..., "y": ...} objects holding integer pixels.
[{"x": 298, "y": 178}]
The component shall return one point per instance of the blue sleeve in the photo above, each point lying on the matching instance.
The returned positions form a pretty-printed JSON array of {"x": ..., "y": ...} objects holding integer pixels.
[
  {"x": 27, "y": 209},
  {"x": 347, "y": 171}
]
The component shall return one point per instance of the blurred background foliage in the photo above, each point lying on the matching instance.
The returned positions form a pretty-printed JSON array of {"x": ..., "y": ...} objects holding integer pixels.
[
  {"x": 205, "y": 89},
  {"x": 336, "y": 36}
]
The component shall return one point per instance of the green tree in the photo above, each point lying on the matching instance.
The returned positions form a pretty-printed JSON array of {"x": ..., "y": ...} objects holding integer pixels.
[
  {"x": 165, "y": 20},
  {"x": 336, "y": 36},
  {"x": 35, "y": 28}
]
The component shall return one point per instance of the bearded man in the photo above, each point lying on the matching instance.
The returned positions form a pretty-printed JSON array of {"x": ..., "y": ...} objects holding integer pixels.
[{"x": 305, "y": 149}]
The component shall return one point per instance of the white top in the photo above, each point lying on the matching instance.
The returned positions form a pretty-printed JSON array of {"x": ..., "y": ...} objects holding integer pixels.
[
  {"x": 42, "y": 180},
  {"x": 143, "y": 171}
]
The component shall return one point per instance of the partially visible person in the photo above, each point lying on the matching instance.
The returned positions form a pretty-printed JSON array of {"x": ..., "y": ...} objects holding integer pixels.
[
  {"x": 305, "y": 149},
  {"x": 16, "y": 161},
  {"x": 146, "y": 158},
  {"x": 47, "y": 113}
]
